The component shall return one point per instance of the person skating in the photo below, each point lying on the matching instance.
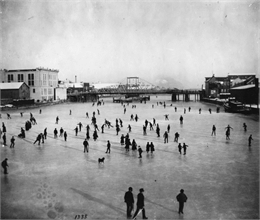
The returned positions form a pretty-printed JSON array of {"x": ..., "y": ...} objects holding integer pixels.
[
  {"x": 4, "y": 139},
  {"x": 55, "y": 133},
  {"x": 45, "y": 133},
  {"x": 95, "y": 135},
  {"x": 184, "y": 148},
  {"x": 57, "y": 120},
  {"x": 129, "y": 200},
  {"x": 249, "y": 140},
  {"x": 108, "y": 147},
  {"x": 168, "y": 128},
  {"x": 165, "y": 135},
  {"x": 122, "y": 139},
  {"x": 152, "y": 147},
  {"x": 12, "y": 142},
  {"x": 147, "y": 147},
  {"x": 140, "y": 151},
  {"x": 140, "y": 204},
  {"x": 61, "y": 132},
  {"x": 85, "y": 144},
  {"x": 134, "y": 145},
  {"x": 65, "y": 135},
  {"x": 245, "y": 126},
  {"x": 76, "y": 130},
  {"x": 39, "y": 137},
  {"x": 179, "y": 147},
  {"x": 181, "y": 198},
  {"x": 181, "y": 120},
  {"x": 158, "y": 130},
  {"x": 5, "y": 165},
  {"x": 213, "y": 130}
]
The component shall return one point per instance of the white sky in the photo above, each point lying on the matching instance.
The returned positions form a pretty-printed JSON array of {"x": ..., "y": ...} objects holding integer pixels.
[{"x": 108, "y": 41}]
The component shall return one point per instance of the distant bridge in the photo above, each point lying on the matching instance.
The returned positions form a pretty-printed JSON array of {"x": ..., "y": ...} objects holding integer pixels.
[{"x": 134, "y": 87}]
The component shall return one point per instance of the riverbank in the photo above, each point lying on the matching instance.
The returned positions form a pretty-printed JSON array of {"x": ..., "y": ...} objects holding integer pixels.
[
  {"x": 216, "y": 101},
  {"x": 35, "y": 105}
]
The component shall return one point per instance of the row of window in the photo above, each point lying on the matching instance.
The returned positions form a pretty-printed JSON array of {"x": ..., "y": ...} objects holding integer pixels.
[{"x": 10, "y": 78}]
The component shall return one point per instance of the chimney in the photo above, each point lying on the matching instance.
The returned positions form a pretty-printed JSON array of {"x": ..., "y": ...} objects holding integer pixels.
[{"x": 75, "y": 79}]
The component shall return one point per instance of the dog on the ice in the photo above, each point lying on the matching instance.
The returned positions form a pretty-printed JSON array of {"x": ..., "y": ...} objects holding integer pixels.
[{"x": 101, "y": 160}]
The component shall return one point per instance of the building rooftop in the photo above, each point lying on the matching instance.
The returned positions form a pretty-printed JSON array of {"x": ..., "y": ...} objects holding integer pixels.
[
  {"x": 241, "y": 74},
  {"x": 12, "y": 85},
  {"x": 243, "y": 87}
]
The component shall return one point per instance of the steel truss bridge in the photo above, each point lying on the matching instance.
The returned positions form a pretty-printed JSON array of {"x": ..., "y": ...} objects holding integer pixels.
[{"x": 135, "y": 86}]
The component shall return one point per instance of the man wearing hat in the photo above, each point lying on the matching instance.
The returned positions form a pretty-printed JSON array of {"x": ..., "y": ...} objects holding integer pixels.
[
  {"x": 140, "y": 204},
  {"x": 129, "y": 200},
  {"x": 181, "y": 198}
]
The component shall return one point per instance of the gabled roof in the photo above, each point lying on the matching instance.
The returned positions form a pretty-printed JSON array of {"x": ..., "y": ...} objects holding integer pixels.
[{"x": 11, "y": 85}]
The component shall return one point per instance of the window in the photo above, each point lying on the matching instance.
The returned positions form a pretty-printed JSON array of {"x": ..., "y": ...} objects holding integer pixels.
[
  {"x": 33, "y": 90},
  {"x": 44, "y": 80},
  {"x": 49, "y": 91},
  {"x": 20, "y": 77},
  {"x": 10, "y": 77},
  {"x": 31, "y": 79}
]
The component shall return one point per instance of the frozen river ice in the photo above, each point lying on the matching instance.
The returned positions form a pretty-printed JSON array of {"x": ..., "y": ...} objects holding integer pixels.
[{"x": 57, "y": 180}]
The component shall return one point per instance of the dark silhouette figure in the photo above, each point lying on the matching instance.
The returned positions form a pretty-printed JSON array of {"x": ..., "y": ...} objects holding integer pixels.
[
  {"x": 57, "y": 120},
  {"x": 140, "y": 151},
  {"x": 245, "y": 126},
  {"x": 4, "y": 139},
  {"x": 45, "y": 133},
  {"x": 140, "y": 204},
  {"x": 85, "y": 144},
  {"x": 179, "y": 147},
  {"x": 12, "y": 142},
  {"x": 108, "y": 147},
  {"x": 95, "y": 135},
  {"x": 76, "y": 130},
  {"x": 5, "y": 165},
  {"x": 181, "y": 198},
  {"x": 55, "y": 133},
  {"x": 65, "y": 136},
  {"x": 184, "y": 148},
  {"x": 152, "y": 147},
  {"x": 213, "y": 130},
  {"x": 249, "y": 140},
  {"x": 177, "y": 135},
  {"x": 165, "y": 135},
  {"x": 228, "y": 132},
  {"x": 129, "y": 200},
  {"x": 147, "y": 147},
  {"x": 122, "y": 139},
  {"x": 181, "y": 120},
  {"x": 39, "y": 137}
]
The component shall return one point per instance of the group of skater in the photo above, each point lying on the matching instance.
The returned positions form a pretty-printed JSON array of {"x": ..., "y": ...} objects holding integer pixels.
[
  {"x": 124, "y": 140},
  {"x": 140, "y": 206}
]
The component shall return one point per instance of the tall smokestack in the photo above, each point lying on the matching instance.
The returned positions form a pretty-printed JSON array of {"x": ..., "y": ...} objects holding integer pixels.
[{"x": 75, "y": 79}]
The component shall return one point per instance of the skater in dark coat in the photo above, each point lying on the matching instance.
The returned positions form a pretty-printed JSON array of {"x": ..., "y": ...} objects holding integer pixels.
[
  {"x": 55, "y": 133},
  {"x": 140, "y": 204},
  {"x": 57, "y": 120},
  {"x": 147, "y": 147},
  {"x": 152, "y": 147},
  {"x": 249, "y": 140},
  {"x": 39, "y": 137},
  {"x": 12, "y": 142},
  {"x": 134, "y": 145},
  {"x": 122, "y": 139},
  {"x": 129, "y": 200},
  {"x": 181, "y": 120},
  {"x": 3, "y": 127},
  {"x": 5, "y": 165},
  {"x": 4, "y": 139},
  {"x": 176, "y": 137},
  {"x": 181, "y": 198},
  {"x": 140, "y": 151},
  {"x": 65, "y": 136},
  {"x": 165, "y": 137},
  {"x": 45, "y": 133},
  {"x": 108, "y": 147},
  {"x": 184, "y": 148},
  {"x": 85, "y": 144},
  {"x": 179, "y": 147},
  {"x": 76, "y": 130},
  {"x": 245, "y": 126},
  {"x": 95, "y": 135},
  {"x": 213, "y": 130},
  {"x": 158, "y": 130}
]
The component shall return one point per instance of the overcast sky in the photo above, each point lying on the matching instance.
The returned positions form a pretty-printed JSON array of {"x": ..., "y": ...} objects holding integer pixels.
[{"x": 107, "y": 41}]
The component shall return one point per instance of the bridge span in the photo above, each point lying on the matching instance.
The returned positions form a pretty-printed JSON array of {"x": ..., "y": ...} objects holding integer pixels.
[{"x": 134, "y": 87}]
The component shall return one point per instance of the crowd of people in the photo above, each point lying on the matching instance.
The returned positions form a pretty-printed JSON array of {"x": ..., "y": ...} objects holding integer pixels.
[{"x": 124, "y": 140}]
